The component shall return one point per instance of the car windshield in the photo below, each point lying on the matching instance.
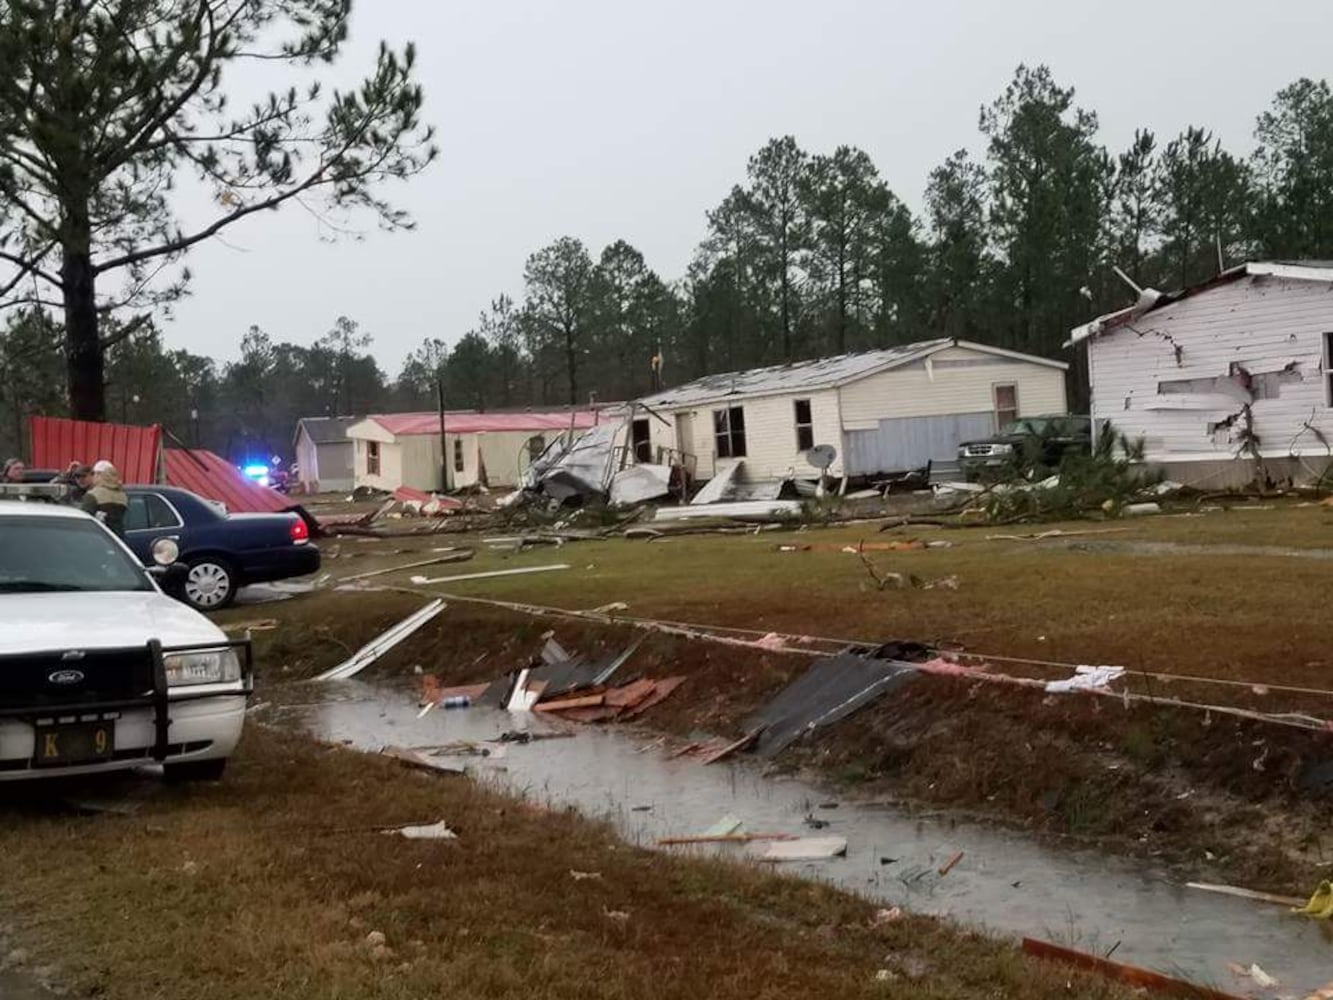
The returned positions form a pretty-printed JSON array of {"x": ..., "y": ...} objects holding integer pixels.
[
  {"x": 1039, "y": 426},
  {"x": 63, "y": 554}
]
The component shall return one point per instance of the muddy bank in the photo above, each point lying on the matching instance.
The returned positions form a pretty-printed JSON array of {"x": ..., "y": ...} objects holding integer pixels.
[{"x": 1218, "y": 798}]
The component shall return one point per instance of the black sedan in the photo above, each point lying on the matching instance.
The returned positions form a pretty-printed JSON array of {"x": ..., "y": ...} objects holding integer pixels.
[{"x": 222, "y": 552}]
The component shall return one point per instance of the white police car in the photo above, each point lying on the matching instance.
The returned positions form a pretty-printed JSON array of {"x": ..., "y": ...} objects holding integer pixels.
[{"x": 99, "y": 669}]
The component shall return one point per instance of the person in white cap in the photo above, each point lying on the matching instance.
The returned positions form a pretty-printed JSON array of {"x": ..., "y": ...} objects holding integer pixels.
[{"x": 107, "y": 501}]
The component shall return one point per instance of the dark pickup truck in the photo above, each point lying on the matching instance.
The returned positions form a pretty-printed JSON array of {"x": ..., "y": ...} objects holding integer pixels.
[{"x": 1052, "y": 434}]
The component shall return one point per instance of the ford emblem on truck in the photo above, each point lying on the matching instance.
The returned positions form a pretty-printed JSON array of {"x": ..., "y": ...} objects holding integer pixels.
[{"x": 66, "y": 677}]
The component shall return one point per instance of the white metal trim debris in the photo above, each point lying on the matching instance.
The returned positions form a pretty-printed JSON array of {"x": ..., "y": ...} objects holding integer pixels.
[
  {"x": 380, "y": 645},
  {"x": 422, "y": 581}
]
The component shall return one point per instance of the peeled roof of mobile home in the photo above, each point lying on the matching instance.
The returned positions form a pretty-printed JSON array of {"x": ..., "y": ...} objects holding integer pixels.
[
  {"x": 400, "y": 424},
  {"x": 818, "y": 373}
]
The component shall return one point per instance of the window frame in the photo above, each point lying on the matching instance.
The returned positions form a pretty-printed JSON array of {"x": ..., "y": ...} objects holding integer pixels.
[
  {"x": 726, "y": 432},
  {"x": 1015, "y": 410},
  {"x": 1327, "y": 369},
  {"x": 459, "y": 462},
  {"x": 805, "y": 430},
  {"x": 178, "y": 523},
  {"x": 372, "y": 458}
]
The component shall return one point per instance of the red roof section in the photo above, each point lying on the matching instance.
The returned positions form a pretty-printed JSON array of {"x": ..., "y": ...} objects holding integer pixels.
[
  {"x": 212, "y": 476},
  {"x": 132, "y": 450},
  {"x": 474, "y": 423}
]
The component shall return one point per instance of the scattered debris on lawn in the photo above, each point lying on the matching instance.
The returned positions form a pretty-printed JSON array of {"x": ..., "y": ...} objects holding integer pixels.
[
  {"x": 253, "y": 625},
  {"x": 452, "y": 556},
  {"x": 1133, "y": 976},
  {"x": 421, "y": 581},
  {"x": 1085, "y": 679},
  {"x": 948, "y": 866},
  {"x": 743, "y": 510},
  {"x": 727, "y": 830},
  {"x": 585, "y": 876},
  {"x": 890, "y": 916},
  {"x": 429, "y": 831},
  {"x": 805, "y": 849},
  {"x": 373, "y": 650},
  {"x": 899, "y": 581}
]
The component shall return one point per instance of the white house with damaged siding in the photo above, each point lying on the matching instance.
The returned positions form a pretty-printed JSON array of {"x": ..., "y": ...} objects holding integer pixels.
[
  {"x": 884, "y": 411},
  {"x": 1225, "y": 382}
]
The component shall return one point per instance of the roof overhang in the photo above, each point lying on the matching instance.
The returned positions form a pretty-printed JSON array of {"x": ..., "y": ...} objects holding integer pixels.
[{"x": 1255, "y": 269}]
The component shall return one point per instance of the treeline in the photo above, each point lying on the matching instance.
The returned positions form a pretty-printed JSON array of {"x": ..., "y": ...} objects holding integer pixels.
[{"x": 812, "y": 254}]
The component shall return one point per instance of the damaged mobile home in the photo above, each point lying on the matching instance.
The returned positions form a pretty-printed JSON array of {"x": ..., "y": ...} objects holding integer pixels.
[
  {"x": 882, "y": 412},
  {"x": 1229, "y": 382}
]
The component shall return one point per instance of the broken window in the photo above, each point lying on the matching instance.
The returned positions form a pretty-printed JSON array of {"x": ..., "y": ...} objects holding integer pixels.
[
  {"x": 729, "y": 429},
  {"x": 372, "y": 458},
  {"x": 536, "y": 445},
  {"x": 1328, "y": 368},
  {"x": 805, "y": 425},
  {"x": 458, "y": 454},
  {"x": 641, "y": 440},
  {"x": 1006, "y": 405}
]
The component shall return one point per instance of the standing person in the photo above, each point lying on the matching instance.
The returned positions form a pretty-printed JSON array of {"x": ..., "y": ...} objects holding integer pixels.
[
  {"x": 107, "y": 500},
  {"x": 14, "y": 469},
  {"x": 79, "y": 478}
]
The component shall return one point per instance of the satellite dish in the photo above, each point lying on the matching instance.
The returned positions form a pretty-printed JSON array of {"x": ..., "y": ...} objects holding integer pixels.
[{"x": 821, "y": 456}]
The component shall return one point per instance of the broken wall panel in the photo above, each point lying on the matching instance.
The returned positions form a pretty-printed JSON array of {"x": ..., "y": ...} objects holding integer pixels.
[{"x": 1274, "y": 329}]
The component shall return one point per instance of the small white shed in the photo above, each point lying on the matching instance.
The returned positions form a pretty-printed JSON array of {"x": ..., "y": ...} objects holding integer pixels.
[
  {"x": 1225, "y": 382},
  {"x": 324, "y": 454},
  {"x": 886, "y": 411}
]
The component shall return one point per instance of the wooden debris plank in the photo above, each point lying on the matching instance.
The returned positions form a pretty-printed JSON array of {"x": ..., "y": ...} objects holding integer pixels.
[
  {"x": 661, "y": 691},
  {"x": 1258, "y": 897},
  {"x": 724, "y": 838},
  {"x": 410, "y": 758},
  {"x": 731, "y": 748},
  {"x": 630, "y": 695},
  {"x": 459, "y": 555},
  {"x": 688, "y": 748},
  {"x": 588, "y": 715},
  {"x": 1140, "y": 978},
  {"x": 587, "y": 701}
]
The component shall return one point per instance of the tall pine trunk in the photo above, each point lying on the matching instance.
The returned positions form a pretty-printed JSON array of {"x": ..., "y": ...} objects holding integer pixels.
[
  {"x": 83, "y": 350},
  {"x": 571, "y": 365}
]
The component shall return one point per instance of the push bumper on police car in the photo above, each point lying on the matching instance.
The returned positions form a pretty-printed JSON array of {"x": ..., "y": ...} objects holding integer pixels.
[{"x": 83, "y": 711}]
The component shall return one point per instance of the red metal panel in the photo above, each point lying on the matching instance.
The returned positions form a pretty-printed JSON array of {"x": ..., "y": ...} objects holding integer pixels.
[
  {"x": 132, "y": 450},
  {"x": 214, "y": 477}
]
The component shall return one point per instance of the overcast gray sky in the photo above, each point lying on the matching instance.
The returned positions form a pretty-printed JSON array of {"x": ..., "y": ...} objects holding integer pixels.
[{"x": 608, "y": 119}]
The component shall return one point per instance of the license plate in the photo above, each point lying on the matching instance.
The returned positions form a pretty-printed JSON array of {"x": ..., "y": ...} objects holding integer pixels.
[{"x": 74, "y": 743}]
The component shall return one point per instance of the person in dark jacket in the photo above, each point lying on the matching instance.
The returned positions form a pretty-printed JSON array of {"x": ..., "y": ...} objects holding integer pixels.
[
  {"x": 79, "y": 478},
  {"x": 107, "y": 500}
]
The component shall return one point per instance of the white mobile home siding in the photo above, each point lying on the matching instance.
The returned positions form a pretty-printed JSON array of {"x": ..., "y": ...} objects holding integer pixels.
[
  {"x": 1263, "y": 324},
  {"x": 905, "y": 417},
  {"x": 770, "y": 434}
]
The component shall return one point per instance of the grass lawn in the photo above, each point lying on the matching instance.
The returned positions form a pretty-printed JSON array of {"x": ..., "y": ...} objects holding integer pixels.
[{"x": 272, "y": 883}]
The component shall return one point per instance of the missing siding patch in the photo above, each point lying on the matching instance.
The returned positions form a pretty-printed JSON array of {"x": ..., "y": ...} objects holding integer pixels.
[{"x": 1239, "y": 383}]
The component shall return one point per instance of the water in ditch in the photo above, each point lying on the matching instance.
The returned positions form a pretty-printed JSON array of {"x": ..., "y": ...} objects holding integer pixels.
[{"x": 1006, "y": 883}]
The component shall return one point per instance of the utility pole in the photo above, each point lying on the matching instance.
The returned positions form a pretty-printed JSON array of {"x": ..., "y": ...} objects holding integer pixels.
[{"x": 444, "y": 451}]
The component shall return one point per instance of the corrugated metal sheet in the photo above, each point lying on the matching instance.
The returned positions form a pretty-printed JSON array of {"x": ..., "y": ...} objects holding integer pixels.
[
  {"x": 901, "y": 444},
  {"x": 214, "y": 477},
  {"x": 798, "y": 376},
  {"x": 132, "y": 450},
  {"x": 474, "y": 423}
]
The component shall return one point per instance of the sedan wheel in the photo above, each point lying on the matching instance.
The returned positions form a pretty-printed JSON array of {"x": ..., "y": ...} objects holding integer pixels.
[{"x": 209, "y": 585}]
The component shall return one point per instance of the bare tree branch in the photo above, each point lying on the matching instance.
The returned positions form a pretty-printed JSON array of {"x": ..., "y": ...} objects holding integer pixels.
[{"x": 26, "y": 267}]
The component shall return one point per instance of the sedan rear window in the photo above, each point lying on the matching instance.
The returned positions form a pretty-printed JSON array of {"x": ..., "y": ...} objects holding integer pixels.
[{"x": 47, "y": 554}]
